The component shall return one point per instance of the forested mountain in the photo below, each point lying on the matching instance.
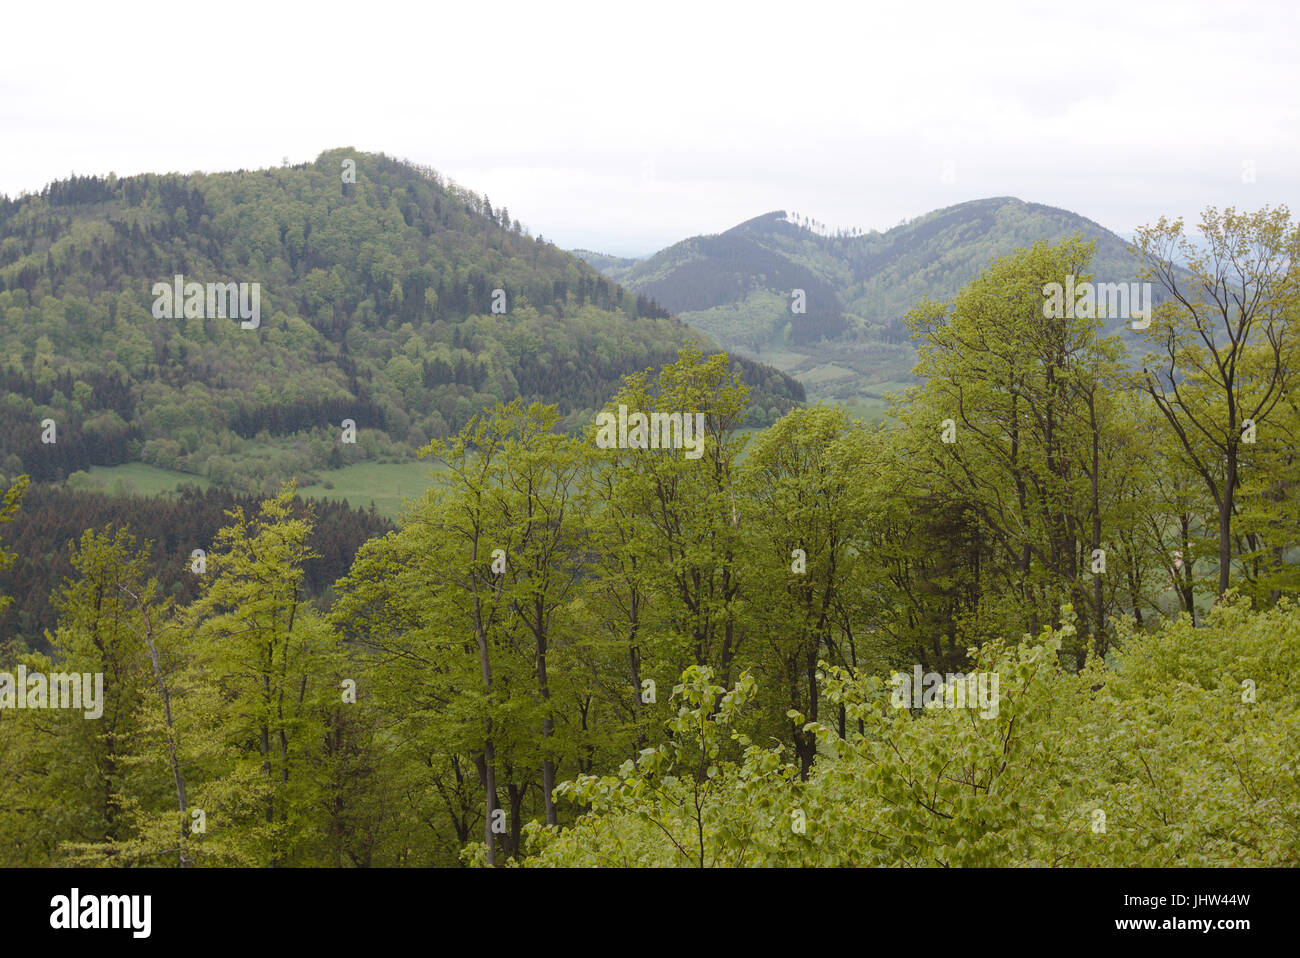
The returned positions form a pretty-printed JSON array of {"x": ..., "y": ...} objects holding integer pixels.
[
  {"x": 754, "y": 265},
  {"x": 386, "y": 295},
  {"x": 736, "y": 286}
]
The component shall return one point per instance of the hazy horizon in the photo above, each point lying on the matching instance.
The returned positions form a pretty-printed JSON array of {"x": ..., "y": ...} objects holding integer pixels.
[{"x": 623, "y": 134}]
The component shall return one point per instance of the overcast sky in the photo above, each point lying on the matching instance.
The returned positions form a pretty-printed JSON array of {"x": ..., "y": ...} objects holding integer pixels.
[{"x": 627, "y": 126}]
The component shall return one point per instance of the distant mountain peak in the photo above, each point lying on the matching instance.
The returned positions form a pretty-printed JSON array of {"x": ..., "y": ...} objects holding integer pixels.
[{"x": 737, "y": 285}]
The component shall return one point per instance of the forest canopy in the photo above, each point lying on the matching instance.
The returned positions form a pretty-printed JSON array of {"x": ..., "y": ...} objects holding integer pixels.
[{"x": 566, "y": 654}]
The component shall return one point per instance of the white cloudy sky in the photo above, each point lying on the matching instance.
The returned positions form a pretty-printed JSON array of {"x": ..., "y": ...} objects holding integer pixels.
[{"x": 627, "y": 126}]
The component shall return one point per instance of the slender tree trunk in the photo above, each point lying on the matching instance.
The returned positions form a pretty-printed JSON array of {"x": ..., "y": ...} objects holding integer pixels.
[
  {"x": 1225, "y": 520},
  {"x": 515, "y": 795},
  {"x": 172, "y": 738},
  {"x": 489, "y": 755},
  {"x": 1183, "y": 577},
  {"x": 634, "y": 659},
  {"x": 809, "y": 753},
  {"x": 487, "y": 772},
  {"x": 1099, "y": 608},
  {"x": 548, "y": 729}
]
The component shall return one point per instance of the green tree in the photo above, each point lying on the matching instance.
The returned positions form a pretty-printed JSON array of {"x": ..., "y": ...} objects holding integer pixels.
[
  {"x": 806, "y": 480},
  {"x": 1222, "y": 345}
]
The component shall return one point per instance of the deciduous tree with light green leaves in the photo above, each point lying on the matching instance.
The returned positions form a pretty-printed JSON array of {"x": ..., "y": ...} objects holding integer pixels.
[
  {"x": 1179, "y": 754},
  {"x": 1223, "y": 348}
]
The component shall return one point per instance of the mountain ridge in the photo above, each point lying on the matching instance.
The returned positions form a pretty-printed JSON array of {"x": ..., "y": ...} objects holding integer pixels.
[{"x": 851, "y": 342}]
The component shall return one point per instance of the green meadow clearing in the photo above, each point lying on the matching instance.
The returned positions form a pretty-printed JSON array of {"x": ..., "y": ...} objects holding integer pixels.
[
  {"x": 383, "y": 483},
  {"x": 386, "y": 484},
  {"x": 134, "y": 478}
]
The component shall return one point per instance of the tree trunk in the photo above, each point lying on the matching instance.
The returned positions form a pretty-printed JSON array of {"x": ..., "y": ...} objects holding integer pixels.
[{"x": 1225, "y": 520}]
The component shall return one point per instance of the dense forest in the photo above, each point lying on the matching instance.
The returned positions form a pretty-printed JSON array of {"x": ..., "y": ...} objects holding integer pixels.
[
  {"x": 388, "y": 295},
  {"x": 53, "y": 518},
  {"x": 568, "y": 654}
]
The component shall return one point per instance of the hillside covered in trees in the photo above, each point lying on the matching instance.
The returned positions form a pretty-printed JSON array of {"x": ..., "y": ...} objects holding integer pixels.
[
  {"x": 387, "y": 295},
  {"x": 1046, "y": 615},
  {"x": 859, "y": 286}
]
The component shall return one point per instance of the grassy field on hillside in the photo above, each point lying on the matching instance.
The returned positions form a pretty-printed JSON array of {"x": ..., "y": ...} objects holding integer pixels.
[
  {"x": 134, "y": 477},
  {"x": 384, "y": 484}
]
